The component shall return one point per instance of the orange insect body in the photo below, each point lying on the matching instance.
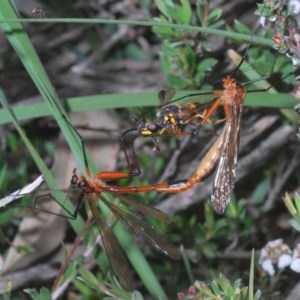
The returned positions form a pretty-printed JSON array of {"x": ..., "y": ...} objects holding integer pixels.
[{"x": 91, "y": 188}]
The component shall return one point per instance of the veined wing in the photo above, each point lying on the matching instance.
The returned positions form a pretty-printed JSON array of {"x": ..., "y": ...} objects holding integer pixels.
[
  {"x": 141, "y": 227},
  {"x": 112, "y": 247},
  {"x": 145, "y": 209},
  {"x": 226, "y": 170}
]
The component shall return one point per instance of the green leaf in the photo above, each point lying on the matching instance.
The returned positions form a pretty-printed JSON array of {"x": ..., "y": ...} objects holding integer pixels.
[
  {"x": 25, "y": 250},
  {"x": 295, "y": 225},
  {"x": 89, "y": 277},
  {"x": 163, "y": 6},
  {"x": 72, "y": 270},
  {"x": 297, "y": 202},
  {"x": 240, "y": 27},
  {"x": 215, "y": 287},
  {"x": 44, "y": 294},
  {"x": 214, "y": 16},
  {"x": 261, "y": 191},
  {"x": 135, "y": 52},
  {"x": 136, "y": 295},
  {"x": 229, "y": 291},
  {"x": 8, "y": 290},
  {"x": 224, "y": 282},
  {"x": 12, "y": 142},
  {"x": 3, "y": 171},
  {"x": 185, "y": 12}
]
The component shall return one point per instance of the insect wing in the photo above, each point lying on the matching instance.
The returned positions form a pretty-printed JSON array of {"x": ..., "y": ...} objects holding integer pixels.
[
  {"x": 164, "y": 97},
  {"x": 22, "y": 192},
  {"x": 146, "y": 209},
  {"x": 112, "y": 247},
  {"x": 140, "y": 227},
  {"x": 201, "y": 97},
  {"x": 202, "y": 101},
  {"x": 226, "y": 170}
]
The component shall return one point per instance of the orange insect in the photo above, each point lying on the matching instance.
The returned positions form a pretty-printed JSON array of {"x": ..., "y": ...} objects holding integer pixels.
[{"x": 90, "y": 188}]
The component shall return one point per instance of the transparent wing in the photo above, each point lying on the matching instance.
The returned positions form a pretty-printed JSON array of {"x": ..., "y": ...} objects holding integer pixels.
[
  {"x": 21, "y": 192},
  {"x": 226, "y": 170},
  {"x": 112, "y": 247},
  {"x": 141, "y": 227}
]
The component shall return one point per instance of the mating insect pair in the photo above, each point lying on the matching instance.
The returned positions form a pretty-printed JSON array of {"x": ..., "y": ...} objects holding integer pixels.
[
  {"x": 90, "y": 188},
  {"x": 172, "y": 119}
]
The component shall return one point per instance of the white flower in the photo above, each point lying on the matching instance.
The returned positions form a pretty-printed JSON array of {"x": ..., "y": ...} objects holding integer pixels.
[
  {"x": 295, "y": 265},
  {"x": 268, "y": 267},
  {"x": 275, "y": 252},
  {"x": 284, "y": 261},
  {"x": 262, "y": 21},
  {"x": 294, "y": 7},
  {"x": 295, "y": 61}
]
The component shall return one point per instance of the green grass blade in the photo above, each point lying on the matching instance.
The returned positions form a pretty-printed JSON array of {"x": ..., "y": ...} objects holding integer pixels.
[
  {"x": 78, "y": 104},
  {"x": 152, "y": 23},
  {"x": 251, "y": 277}
]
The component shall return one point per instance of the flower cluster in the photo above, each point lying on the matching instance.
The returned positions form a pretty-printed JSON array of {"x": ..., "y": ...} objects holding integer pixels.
[
  {"x": 189, "y": 295},
  {"x": 286, "y": 17},
  {"x": 278, "y": 253}
]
